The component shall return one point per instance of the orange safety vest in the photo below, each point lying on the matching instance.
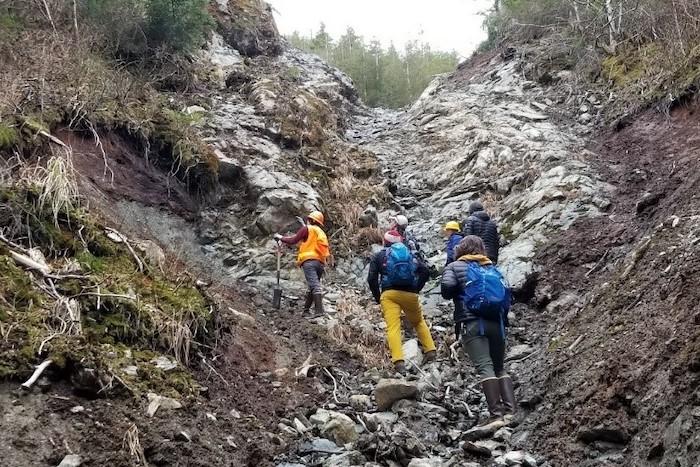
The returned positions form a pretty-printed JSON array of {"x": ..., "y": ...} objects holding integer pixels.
[{"x": 314, "y": 247}]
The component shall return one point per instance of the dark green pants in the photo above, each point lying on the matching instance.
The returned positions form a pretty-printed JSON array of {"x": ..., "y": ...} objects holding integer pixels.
[{"x": 486, "y": 352}]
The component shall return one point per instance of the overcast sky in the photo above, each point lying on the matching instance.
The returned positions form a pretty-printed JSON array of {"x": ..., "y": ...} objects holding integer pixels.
[{"x": 445, "y": 24}]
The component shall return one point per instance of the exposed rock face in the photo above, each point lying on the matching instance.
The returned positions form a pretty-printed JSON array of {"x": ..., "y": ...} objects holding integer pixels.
[{"x": 489, "y": 137}]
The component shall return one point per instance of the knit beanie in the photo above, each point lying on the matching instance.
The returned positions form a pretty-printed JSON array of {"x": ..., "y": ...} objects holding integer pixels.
[
  {"x": 475, "y": 206},
  {"x": 392, "y": 236}
]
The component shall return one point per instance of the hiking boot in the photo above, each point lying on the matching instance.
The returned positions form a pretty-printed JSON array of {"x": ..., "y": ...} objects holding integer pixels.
[
  {"x": 400, "y": 367},
  {"x": 308, "y": 302},
  {"x": 510, "y": 405},
  {"x": 318, "y": 305},
  {"x": 429, "y": 356},
  {"x": 492, "y": 391}
]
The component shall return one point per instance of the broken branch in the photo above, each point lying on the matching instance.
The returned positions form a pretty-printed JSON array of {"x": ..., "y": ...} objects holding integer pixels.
[{"x": 39, "y": 370}]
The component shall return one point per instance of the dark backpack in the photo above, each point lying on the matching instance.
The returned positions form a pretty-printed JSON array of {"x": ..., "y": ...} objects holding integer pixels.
[
  {"x": 399, "y": 267},
  {"x": 486, "y": 294}
]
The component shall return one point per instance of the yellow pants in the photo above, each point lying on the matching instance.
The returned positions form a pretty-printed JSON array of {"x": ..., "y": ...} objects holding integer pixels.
[{"x": 392, "y": 302}]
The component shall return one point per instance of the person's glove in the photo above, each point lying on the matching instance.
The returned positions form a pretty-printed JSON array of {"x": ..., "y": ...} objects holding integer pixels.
[{"x": 277, "y": 237}]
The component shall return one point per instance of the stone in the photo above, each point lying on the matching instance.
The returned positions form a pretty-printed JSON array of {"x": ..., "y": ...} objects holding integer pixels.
[
  {"x": 320, "y": 417},
  {"x": 183, "y": 436},
  {"x": 164, "y": 363},
  {"x": 603, "y": 432},
  {"x": 231, "y": 441},
  {"x": 321, "y": 445},
  {"x": 389, "y": 391},
  {"x": 340, "y": 429},
  {"x": 360, "y": 401},
  {"x": 481, "y": 432},
  {"x": 242, "y": 318},
  {"x": 368, "y": 217},
  {"x": 585, "y": 118},
  {"x": 156, "y": 402},
  {"x": 514, "y": 457},
  {"x": 44, "y": 384},
  {"x": 77, "y": 409},
  {"x": 426, "y": 462},
  {"x": 519, "y": 351},
  {"x": 71, "y": 460},
  {"x": 130, "y": 370},
  {"x": 345, "y": 459},
  {"x": 412, "y": 352},
  {"x": 192, "y": 109},
  {"x": 480, "y": 448}
]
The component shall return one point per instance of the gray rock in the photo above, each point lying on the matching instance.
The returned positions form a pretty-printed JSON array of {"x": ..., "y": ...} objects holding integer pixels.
[
  {"x": 426, "y": 462},
  {"x": 389, "y": 391},
  {"x": 345, "y": 459},
  {"x": 156, "y": 402},
  {"x": 481, "y": 448},
  {"x": 481, "y": 432},
  {"x": 412, "y": 352},
  {"x": 320, "y": 445},
  {"x": 320, "y": 417},
  {"x": 519, "y": 351},
  {"x": 360, "y": 401},
  {"x": 71, "y": 460},
  {"x": 164, "y": 363},
  {"x": 340, "y": 429}
]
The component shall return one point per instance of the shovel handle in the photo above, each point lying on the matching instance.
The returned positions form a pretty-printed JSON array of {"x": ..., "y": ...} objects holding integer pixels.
[{"x": 279, "y": 261}]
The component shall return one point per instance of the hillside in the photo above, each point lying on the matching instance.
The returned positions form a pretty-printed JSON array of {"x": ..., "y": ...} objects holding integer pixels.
[{"x": 139, "y": 192}]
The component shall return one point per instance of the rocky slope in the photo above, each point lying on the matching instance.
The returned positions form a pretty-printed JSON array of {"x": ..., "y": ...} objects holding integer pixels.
[{"x": 599, "y": 234}]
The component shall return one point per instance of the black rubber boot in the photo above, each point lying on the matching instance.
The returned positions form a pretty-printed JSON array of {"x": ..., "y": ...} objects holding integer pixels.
[
  {"x": 510, "y": 405},
  {"x": 318, "y": 304},
  {"x": 429, "y": 356},
  {"x": 308, "y": 302},
  {"x": 492, "y": 391}
]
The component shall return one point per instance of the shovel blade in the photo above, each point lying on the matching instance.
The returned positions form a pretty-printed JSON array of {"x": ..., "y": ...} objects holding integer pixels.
[{"x": 276, "y": 298}]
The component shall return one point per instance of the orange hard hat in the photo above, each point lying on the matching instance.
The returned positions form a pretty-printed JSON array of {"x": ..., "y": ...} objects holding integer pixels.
[{"x": 316, "y": 216}]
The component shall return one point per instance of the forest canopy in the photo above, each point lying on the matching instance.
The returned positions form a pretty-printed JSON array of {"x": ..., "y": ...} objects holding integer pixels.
[{"x": 387, "y": 77}]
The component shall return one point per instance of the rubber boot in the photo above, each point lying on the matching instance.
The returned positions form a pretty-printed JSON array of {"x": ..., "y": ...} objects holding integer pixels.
[
  {"x": 492, "y": 391},
  {"x": 308, "y": 302},
  {"x": 400, "y": 367},
  {"x": 429, "y": 356},
  {"x": 318, "y": 304},
  {"x": 510, "y": 405}
]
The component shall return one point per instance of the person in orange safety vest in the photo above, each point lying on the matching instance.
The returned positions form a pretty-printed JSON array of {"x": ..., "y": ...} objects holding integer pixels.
[{"x": 313, "y": 254}]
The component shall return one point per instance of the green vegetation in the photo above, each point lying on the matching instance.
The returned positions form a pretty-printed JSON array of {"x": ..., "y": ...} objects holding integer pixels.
[
  {"x": 645, "y": 51},
  {"x": 133, "y": 27},
  {"x": 384, "y": 78},
  {"x": 126, "y": 316}
]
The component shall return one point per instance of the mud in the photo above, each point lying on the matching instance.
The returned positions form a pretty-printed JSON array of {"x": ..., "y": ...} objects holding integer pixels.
[{"x": 633, "y": 325}]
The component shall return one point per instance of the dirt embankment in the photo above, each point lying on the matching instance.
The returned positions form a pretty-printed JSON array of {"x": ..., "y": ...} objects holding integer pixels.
[{"x": 618, "y": 313}]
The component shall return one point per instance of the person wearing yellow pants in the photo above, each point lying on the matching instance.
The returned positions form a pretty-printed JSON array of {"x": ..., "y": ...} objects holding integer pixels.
[{"x": 395, "y": 278}]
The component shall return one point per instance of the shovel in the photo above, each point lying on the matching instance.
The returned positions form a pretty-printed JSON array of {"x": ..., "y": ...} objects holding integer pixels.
[{"x": 277, "y": 291}]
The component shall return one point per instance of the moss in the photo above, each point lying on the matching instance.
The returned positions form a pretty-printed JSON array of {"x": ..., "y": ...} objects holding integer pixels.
[{"x": 9, "y": 137}]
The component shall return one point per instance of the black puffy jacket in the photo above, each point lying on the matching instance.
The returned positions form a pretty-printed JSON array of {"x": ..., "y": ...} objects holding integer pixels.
[{"x": 481, "y": 225}]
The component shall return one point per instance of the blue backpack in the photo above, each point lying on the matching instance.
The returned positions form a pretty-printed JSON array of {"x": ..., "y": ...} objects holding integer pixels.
[
  {"x": 399, "y": 267},
  {"x": 486, "y": 294}
]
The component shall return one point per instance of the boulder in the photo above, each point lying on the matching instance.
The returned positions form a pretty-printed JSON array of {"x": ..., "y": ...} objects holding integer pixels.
[
  {"x": 412, "y": 352},
  {"x": 71, "y": 460},
  {"x": 248, "y": 27},
  {"x": 389, "y": 391}
]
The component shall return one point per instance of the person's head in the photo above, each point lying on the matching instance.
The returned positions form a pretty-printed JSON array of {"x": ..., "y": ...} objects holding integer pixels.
[
  {"x": 470, "y": 245},
  {"x": 475, "y": 206},
  {"x": 398, "y": 222},
  {"x": 391, "y": 237},
  {"x": 451, "y": 228},
  {"x": 315, "y": 218}
]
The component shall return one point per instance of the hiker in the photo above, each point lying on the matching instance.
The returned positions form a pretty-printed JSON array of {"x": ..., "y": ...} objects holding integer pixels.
[
  {"x": 312, "y": 257},
  {"x": 453, "y": 236},
  {"x": 400, "y": 276},
  {"x": 479, "y": 223},
  {"x": 481, "y": 315},
  {"x": 399, "y": 223}
]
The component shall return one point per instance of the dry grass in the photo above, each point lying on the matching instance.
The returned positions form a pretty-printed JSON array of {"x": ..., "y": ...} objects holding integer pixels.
[
  {"x": 354, "y": 330},
  {"x": 132, "y": 442},
  {"x": 176, "y": 332},
  {"x": 56, "y": 183}
]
